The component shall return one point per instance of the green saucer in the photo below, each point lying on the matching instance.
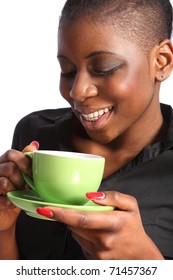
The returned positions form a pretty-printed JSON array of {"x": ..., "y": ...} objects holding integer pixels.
[
  {"x": 35, "y": 215},
  {"x": 29, "y": 201}
]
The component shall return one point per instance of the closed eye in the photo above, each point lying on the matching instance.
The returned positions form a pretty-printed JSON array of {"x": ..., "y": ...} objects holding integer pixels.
[
  {"x": 102, "y": 73},
  {"x": 105, "y": 73},
  {"x": 69, "y": 75}
]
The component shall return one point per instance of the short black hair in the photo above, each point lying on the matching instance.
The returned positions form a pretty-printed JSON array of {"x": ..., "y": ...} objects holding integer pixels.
[{"x": 146, "y": 22}]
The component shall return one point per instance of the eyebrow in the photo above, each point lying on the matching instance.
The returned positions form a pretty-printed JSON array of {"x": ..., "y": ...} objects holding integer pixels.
[
  {"x": 96, "y": 53},
  {"x": 99, "y": 53}
]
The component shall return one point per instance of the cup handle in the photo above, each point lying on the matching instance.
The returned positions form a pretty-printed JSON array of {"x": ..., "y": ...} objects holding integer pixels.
[{"x": 26, "y": 177}]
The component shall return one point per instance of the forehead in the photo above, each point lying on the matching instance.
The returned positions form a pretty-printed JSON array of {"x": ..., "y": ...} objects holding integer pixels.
[{"x": 85, "y": 35}]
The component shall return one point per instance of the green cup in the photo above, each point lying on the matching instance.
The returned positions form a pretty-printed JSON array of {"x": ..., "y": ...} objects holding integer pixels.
[{"x": 64, "y": 177}]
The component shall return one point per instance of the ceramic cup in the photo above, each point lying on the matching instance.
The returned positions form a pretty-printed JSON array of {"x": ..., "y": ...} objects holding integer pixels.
[{"x": 65, "y": 177}]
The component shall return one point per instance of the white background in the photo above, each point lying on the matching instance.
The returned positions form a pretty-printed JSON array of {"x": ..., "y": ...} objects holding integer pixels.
[{"x": 29, "y": 71}]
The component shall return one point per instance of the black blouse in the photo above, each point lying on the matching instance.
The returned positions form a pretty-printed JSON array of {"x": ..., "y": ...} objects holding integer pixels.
[{"x": 148, "y": 177}]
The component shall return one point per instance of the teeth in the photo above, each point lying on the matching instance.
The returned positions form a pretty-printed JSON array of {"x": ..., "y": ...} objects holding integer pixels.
[{"x": 96, "y": 115}]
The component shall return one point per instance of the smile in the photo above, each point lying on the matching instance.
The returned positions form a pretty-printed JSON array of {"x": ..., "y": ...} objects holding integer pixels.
[{"x": 94, "y": 116}]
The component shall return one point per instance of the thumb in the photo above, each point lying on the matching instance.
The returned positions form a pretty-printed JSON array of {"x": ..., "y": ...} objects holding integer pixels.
[
  {"x": 116, "y": 199},
  {"x": 33, "y": 146}
]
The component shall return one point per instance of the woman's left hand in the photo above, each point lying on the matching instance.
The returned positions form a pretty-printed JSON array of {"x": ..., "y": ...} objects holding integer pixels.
[{"x": 115, "y": 235}]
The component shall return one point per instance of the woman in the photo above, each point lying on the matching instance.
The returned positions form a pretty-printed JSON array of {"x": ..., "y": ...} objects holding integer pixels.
[{"x": 113, "y": 57}]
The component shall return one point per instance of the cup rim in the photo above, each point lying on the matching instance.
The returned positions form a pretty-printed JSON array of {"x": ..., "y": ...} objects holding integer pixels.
[{"x": 68, "y": 154}]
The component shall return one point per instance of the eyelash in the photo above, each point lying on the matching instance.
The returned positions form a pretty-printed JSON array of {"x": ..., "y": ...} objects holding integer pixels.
[
  {"x": 107, "y": 72},
  {"x": 68, "y": 75},
  {"x": 96, "y": 72}
]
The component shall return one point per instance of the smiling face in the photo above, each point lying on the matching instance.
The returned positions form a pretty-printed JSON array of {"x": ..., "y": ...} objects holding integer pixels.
[{"x": 108, "y": 81}]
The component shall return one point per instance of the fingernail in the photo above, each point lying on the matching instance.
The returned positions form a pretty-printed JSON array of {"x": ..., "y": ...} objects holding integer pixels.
[
  {"x": 44, "y": 212},
  {"x": 36, "y": 144},
  {"x": 95, "y": 195}
]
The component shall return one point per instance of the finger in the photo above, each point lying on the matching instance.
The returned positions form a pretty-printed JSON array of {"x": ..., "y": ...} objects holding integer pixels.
[
  {"x": 12, "y": 174},
  {"x": 18, "y": 158},
  {"x": 5, "y": 185},
  {"x": 5, "y": 203},
  {"x": 95, "y": 245},
  {"x": 84, "y": 234},
  {"x": 86, "y": 245},
  {"x": 80, "y": 219},
  {"x": 34, "y": 145},
  {"x": 116, "y": 199},
  {"x": 11, "y": 164}
]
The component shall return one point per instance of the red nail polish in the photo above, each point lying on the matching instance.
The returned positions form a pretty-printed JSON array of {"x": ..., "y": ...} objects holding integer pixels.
[
  {"x": 45, "y": 212},
  {"x": 95, "y": 195},
  {"x": 35, "y": 144}
]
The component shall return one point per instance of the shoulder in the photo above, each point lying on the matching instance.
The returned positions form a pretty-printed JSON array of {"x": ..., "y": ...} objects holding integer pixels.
[
  {"x": 38, "y": 124},
  {"x": 42, "y": 117},
  {"x": 47, "y": 115}
]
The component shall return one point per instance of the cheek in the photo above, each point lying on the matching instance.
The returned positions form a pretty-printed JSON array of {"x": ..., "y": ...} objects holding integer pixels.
[{"x": 128, "y": 87}]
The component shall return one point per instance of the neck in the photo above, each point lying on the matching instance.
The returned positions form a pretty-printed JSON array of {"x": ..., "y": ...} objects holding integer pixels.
[{"x": 125, "y": 147}]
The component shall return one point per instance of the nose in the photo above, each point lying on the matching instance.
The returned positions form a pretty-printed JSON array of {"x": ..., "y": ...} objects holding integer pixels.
[{"x": 83, "y": 88}]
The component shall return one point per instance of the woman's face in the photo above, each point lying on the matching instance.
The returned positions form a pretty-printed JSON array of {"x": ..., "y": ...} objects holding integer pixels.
[{"x": 107, "y": 80}]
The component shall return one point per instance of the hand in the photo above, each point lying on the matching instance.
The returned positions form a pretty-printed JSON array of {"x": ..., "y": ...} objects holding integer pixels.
[
  {"x": 115, "y": 235},
  {"x": 11, "y": 179}
]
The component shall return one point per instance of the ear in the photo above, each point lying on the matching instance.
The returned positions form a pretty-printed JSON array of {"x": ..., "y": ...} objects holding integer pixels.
[{"x": 164, "y": 60}]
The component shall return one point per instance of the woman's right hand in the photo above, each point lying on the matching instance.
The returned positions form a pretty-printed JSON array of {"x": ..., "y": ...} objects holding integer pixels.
[{"x": 11, "y": 164}]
